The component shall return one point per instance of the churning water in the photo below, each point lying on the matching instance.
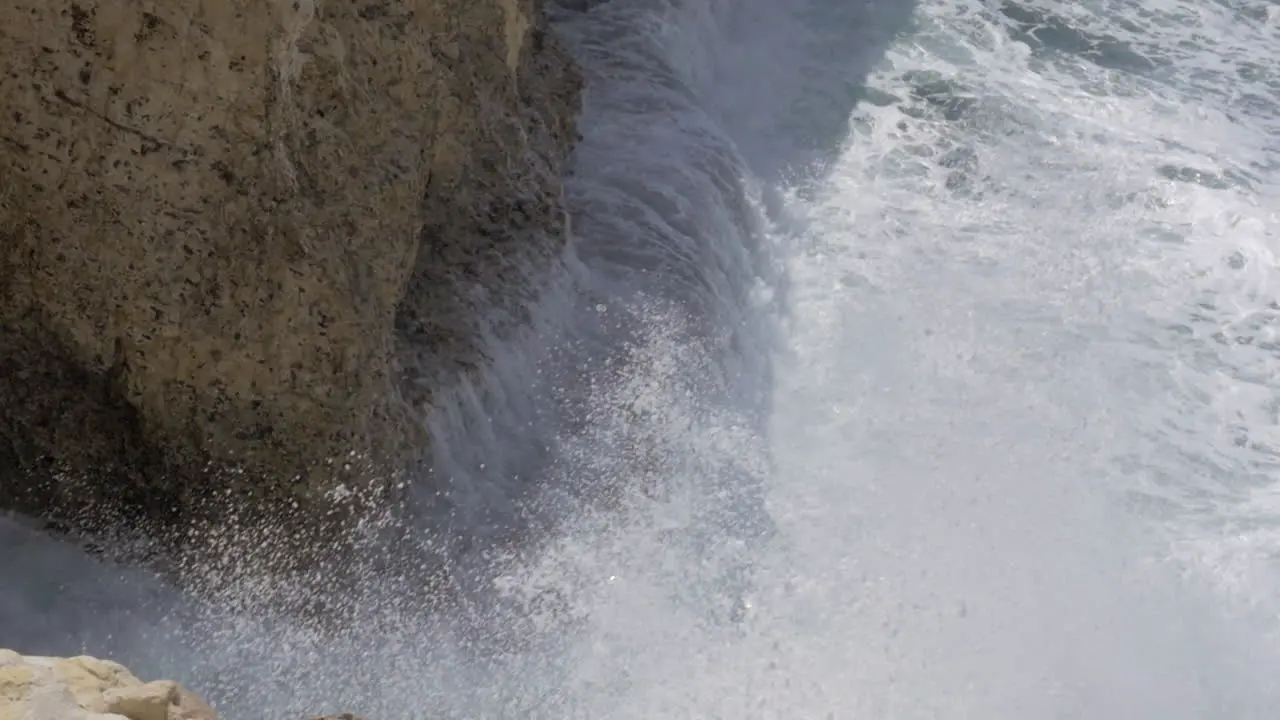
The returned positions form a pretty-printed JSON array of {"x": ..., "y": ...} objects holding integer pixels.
[{"x": 910, "y": 361}]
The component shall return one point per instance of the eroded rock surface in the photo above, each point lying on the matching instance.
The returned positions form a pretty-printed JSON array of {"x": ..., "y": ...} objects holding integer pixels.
[
  {"x": 241, "y": 240},
  {"x": 86, "y": 688}
]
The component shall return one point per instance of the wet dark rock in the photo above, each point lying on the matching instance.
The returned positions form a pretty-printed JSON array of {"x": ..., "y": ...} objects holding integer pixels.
[{"x": 242, "y": 242}]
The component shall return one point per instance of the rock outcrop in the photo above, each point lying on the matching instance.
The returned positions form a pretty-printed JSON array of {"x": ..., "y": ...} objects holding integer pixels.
[
  {"x": 241, "y": 241},
  {"x": 86, "y": 688}
]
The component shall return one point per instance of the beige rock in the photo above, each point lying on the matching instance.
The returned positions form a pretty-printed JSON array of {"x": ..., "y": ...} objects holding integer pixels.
[
  {"x": 143, "y": 702},
  {"x": 86, "y": 688},
  {"x": 241, "y": 241}
]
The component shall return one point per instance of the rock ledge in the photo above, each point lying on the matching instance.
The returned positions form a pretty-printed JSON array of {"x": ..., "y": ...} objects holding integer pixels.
[{"x": 86, "y": 688}]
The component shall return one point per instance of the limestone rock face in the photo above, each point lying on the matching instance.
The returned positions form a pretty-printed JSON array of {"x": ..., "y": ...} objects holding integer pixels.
[
  {"x": 253, "y": 235},
  {"x": 86, "y": 688}
]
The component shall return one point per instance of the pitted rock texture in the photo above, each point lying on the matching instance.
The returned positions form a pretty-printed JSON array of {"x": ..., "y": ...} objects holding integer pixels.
[
  {"x": 241, "y": 241},
  {"x": 87, "y": 688}
]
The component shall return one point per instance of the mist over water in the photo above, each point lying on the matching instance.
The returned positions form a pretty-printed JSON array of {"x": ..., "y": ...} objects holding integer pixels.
[{"x": 908, "y": 361}]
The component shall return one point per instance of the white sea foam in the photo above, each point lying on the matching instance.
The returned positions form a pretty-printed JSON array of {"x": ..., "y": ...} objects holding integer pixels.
[{"x": 1014, "y": 456}]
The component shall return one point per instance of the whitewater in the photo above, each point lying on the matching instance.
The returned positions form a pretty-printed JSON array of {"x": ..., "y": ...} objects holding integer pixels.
[{"x": 908, "y": 360}]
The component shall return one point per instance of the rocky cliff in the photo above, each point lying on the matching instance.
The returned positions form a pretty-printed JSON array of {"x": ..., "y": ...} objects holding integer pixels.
[{"x": 242, "y": 240}]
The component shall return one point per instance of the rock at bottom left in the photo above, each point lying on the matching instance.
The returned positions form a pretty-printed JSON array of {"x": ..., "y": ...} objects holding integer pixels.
[{"x": 87, "y": 688}]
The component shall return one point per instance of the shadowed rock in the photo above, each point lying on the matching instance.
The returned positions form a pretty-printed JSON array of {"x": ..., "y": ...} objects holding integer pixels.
[{"x": 243, "y": 241}]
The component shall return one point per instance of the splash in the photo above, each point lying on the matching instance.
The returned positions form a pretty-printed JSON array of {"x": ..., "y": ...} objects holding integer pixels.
[{"x": 898, "y": 368}]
